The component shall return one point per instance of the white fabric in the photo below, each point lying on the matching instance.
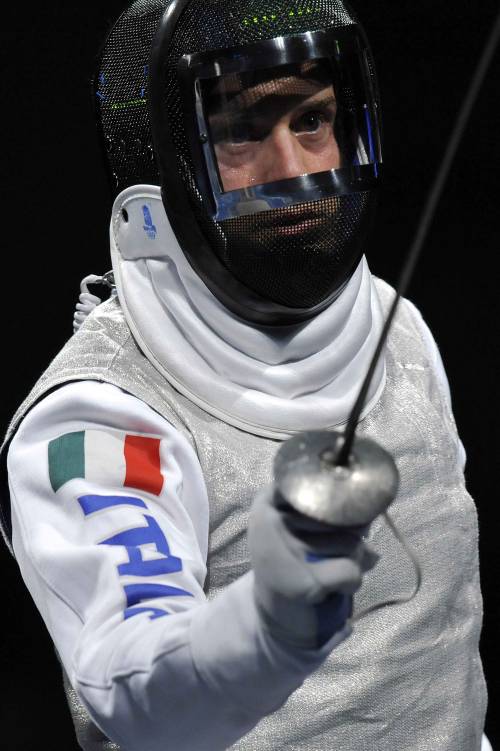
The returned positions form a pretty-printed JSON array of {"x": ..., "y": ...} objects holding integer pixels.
[
  {"x": 195, "y": 680},
  {"x": 134, "y": 674},
  {"x": 104, "y": 454},
  {"x": 485, "y": 744},
  {"x": 273, "y": 380}
]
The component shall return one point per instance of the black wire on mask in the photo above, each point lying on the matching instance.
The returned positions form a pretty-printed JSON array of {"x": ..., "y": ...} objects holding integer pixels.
[{"x": 342, "y": 457}]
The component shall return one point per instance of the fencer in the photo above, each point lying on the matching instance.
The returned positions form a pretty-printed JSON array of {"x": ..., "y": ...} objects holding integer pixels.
[{"x": 187, "y": 610}]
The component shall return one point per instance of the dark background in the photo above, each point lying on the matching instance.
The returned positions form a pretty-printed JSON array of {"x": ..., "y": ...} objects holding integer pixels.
[{"x": 55, "y": 211}]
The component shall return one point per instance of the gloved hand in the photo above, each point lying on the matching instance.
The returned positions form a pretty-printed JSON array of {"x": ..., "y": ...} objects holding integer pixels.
[{"x": 305, "y": 572}]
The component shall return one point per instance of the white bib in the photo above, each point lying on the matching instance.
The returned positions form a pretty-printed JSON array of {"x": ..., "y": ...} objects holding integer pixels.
[{"x": 269, "y": 380}]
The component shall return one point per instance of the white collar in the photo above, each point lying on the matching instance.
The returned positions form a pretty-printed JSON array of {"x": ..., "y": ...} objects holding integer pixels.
[{"x": 270, "y": 381}]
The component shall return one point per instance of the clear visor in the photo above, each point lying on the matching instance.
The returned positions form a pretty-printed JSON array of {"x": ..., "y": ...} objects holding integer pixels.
[
  {"x": 275, "y": 125},
  {"x": 282, "y": 134}
]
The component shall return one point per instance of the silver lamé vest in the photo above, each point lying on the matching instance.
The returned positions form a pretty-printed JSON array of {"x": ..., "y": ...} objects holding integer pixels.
[{"x": 409, "y": 677}]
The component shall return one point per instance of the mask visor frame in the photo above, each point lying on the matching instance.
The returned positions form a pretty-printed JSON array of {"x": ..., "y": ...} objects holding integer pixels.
[{"x": 334, "y": 44}]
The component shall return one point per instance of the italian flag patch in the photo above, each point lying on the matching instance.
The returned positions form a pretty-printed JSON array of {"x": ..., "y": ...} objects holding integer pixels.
[{"x": 107, "y": 458}]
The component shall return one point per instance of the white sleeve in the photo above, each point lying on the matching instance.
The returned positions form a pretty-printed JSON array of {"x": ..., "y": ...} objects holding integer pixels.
[
  {"x": 110, "y": 529},
  {"x": 438, "y": 367}
]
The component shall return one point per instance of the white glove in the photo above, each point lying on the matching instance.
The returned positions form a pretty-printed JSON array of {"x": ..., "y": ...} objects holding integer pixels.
[{"x": 305, "y": 572}]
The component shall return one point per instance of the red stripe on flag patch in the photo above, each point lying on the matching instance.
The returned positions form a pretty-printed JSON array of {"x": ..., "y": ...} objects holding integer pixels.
[{"x": 142, "y": 459}]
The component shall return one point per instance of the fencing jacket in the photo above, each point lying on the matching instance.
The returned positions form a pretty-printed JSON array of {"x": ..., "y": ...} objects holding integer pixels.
[{"x": 129, "y": 504}]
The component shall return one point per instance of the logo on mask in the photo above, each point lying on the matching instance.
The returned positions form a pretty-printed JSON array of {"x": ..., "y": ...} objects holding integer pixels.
[{"x": 148, "y": 226}]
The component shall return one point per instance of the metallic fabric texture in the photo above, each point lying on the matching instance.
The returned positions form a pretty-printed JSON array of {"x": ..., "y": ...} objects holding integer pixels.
[
  {"x": 89, "y": 737},
  {"x": 410, "y": 675}
]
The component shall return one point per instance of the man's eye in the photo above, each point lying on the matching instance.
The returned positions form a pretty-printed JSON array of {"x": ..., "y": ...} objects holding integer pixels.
[{"x": 312, "y": 121}]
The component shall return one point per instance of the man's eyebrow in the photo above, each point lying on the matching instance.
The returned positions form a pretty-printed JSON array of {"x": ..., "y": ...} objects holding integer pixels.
[
  {"x": 324, "y": 101},
  {"x": 240, "y": 112}
]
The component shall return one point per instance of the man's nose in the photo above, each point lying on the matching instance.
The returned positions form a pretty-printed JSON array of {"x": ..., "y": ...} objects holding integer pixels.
[{"x": 283, "y": 156}]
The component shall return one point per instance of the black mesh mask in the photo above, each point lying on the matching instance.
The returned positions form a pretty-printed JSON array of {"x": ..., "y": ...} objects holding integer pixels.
[{"x": 274, "y": 251}]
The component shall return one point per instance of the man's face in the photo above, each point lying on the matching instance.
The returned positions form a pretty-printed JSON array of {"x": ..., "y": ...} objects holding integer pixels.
[
  {"x": 274, "y": 129},
  {"x": 270, "y": 125}
]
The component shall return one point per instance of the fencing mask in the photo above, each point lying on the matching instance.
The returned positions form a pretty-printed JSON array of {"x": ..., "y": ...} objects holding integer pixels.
[{"x": 261, "y": 124}]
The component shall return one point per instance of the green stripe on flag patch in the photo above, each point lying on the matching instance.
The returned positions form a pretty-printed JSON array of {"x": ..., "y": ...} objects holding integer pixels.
[{"x": 66, "y": 458}]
